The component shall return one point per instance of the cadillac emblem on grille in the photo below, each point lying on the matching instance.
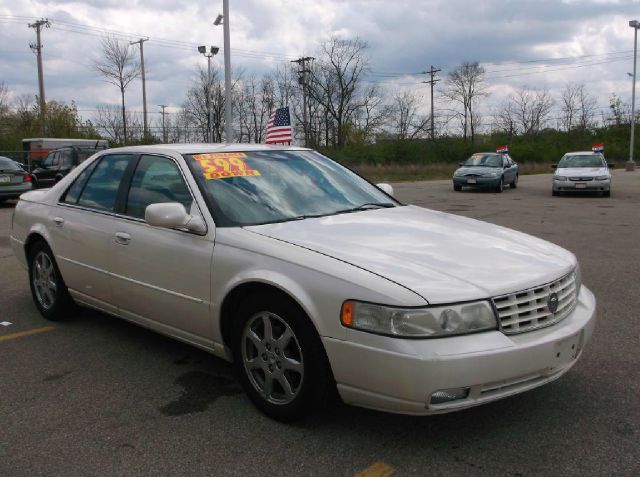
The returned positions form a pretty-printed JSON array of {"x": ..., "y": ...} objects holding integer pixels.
[{"x": 552, "y": 302}]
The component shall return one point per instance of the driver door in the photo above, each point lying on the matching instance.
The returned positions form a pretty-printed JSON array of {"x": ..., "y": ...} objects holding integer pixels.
[{"x": 161, "y": 276}]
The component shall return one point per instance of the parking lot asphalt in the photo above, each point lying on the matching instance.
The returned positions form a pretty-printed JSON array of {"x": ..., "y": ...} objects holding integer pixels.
[{"x": 95, "y": 395}]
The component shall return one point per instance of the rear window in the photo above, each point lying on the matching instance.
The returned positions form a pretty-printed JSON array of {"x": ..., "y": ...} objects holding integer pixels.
[{"x": 7, "y": 164}]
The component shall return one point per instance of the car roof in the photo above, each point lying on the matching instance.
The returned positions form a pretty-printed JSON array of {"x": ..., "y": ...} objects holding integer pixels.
[{"x": 205, "y": 148}]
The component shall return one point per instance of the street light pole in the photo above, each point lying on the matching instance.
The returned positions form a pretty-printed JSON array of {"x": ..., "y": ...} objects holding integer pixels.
[
  {"x": 211, "y": 52},
  {"x": 631, "y": 165},
  {"x": 228, "y": 107}
]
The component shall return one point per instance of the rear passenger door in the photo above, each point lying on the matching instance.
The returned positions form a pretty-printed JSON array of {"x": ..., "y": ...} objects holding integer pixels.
[
  {"x": 160, "y": 275},
  {"x": 82, "y": 227}
]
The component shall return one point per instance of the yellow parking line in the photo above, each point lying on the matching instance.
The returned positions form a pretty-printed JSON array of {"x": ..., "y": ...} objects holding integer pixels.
[
  {"x": 20, "y": 334},
  {"x": 379, "y": 469}
]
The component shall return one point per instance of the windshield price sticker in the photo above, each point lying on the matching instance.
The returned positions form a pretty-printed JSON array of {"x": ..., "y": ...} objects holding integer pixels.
[{"x": 221, "y": 165}]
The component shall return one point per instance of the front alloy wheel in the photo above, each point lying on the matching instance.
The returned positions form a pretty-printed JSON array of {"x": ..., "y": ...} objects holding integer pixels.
[
  {"x": 272, "y": 358},
  {"x": 279, "y": 357}
]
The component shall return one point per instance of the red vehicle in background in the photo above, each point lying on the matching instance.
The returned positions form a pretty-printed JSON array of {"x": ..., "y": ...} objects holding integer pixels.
[{"x": 36, "y": 149}]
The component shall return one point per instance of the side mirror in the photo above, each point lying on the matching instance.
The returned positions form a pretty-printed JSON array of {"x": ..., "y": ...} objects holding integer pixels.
[
  {"x": 611, "y": 166},
  {"x": 172, "y": 215},
  {"x": 461, "y": 164},
  {"x": 554, "y": 166},
  {"x": 386, "y": 188}
]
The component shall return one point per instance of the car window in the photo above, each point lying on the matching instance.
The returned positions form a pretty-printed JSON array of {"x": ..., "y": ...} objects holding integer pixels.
[
  {"x": 7, "y": 164},
  {"x": 488, "y": 160},
  {"x": 73, "y": 192},
  {"x": 55, "y": 160},
  {"x": 48, "y": 161},
  {"x": 258, "y": 187},
  {"x": 66, "y": 157},
  {"x": 102, "y": 187},
  {"x": 586, "y": 160},
  {"x": 505, "y": 162},
  {"x": 156, "y": 179}
]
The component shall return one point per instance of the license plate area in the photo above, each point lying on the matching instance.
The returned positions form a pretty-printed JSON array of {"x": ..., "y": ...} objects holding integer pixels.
[
  {"x": 472, "y": 181},
  {"x": 567, "y": 349},
  {"x": 581, "y": 185},
  {"x": 5, "y": 179}
]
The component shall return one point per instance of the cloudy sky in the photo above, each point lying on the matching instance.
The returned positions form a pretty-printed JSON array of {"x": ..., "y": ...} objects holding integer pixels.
[{"x": 534, "y": 43}]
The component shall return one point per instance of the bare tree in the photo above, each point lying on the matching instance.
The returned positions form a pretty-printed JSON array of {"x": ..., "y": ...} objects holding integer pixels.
[
  {"x": 531, "y": 109},
  {"x": 406, "y": 121},
  {"x": 4, "y": 99},
  {"x": 578, "y": 107},
  {"x": 505, "y": 118},
  {"x": 119, "y": 67},
  {"x": 464, "y": 85},
  {"x": 588, "y": 106},
  {"x": 206, "y": 94},
  {"x": 336, "y": 79},
  {"x": 569, "y": 105}
]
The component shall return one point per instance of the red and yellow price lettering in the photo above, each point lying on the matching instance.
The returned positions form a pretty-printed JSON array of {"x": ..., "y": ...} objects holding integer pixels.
[{"x": 221, "y": 165}]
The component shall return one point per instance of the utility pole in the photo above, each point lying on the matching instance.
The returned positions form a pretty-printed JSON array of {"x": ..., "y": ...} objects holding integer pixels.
[
  {"x": 303, "y": 80},
  {"x": 432, "y": 71},
  {"x": 144, "y": 88},
  {"x": 164, "y": 131},
  {"x": 37, "y": 48}
]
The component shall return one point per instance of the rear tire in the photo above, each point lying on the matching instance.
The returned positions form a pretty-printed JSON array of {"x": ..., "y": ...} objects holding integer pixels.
[
  {"x": 279, "y": 358},
  {"x": 48, "y": 289},
  {"x": 514, "y": 184}
]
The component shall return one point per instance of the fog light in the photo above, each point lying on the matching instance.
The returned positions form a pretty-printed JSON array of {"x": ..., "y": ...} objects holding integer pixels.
[{"x": 447, "y": 395}]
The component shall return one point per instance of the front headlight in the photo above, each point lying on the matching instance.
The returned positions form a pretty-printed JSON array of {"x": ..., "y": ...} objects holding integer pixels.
[
  {"x": 490, "y": 174},
  {"x": 427, "y": 322},
  {"x": 602, "y": 178},
  {"x": 458, "y": 172},
  {"x": 559, "y": 178}
]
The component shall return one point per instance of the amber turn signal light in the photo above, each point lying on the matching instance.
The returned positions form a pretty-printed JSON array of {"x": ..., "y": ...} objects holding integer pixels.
[{"x": 346, "y": 314}]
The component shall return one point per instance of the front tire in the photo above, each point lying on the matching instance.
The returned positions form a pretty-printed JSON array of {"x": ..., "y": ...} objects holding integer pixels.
[
  {"x": 457, "y": 188},
  {"x": 607, "y": 193},
  {"x": 48, "y": 289},
  {"x": 279, "y": 358},
  {"x": 500, "y": 186}
]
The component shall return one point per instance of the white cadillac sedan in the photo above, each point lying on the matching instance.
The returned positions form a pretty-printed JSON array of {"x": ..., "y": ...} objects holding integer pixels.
[{"x": 306, "y": 276}]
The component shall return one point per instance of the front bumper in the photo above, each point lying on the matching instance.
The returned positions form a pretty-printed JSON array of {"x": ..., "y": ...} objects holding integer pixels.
[
  {"x": 578, "y": 186},
  {"x": 479, "y": 181},
  {"x": 400, "y": 375},
  {"x": 14, "y": 191}
]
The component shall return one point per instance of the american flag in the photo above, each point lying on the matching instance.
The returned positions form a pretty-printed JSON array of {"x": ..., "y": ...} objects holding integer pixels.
[{"x": 279, "y": 127}]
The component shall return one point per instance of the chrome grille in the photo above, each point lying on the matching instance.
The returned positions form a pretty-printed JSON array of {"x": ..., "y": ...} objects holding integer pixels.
[
  {"x": 528, "y": 310},
  {"x": 580, "y": 179}
]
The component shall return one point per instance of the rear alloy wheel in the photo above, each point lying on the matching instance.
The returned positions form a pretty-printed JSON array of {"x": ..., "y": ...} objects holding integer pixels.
[
  {"x": 514, "y": 184},
  {"x": 49, "y": 292},
  {"x": 500, "y": 186},
  {"x": 279, "y": 358}
]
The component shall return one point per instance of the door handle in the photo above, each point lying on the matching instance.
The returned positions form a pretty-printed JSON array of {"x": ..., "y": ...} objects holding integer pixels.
[
  {"x": 58, "y": 221},
  {"x": 123, "y": 238}
]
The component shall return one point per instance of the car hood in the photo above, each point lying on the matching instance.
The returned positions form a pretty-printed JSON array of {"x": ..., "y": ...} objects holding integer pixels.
[
  {"x": 476, "y": 170},
  {"x": 442, "y": 257},
  {"x": 582, "y": 171}
]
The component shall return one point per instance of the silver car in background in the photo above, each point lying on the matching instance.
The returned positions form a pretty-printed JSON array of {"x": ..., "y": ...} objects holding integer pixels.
[{"x": 584, "y": 171}]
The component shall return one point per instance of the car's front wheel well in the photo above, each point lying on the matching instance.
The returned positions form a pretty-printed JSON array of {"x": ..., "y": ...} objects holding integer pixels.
[
  {"x": 236, "y": 297},
  {"x": 31, "y": 241}
]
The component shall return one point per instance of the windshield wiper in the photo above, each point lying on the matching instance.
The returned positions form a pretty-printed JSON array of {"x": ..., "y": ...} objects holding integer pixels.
[{"x": 366, "y": 206}]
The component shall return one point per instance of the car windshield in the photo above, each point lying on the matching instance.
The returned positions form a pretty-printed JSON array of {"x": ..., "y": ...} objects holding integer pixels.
[
  {"x": 487, "y": 160},
  {"x": 587, "y": 160},
  {"x": 260, "y": 187},
  {"x": 7, "y": 164}
]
